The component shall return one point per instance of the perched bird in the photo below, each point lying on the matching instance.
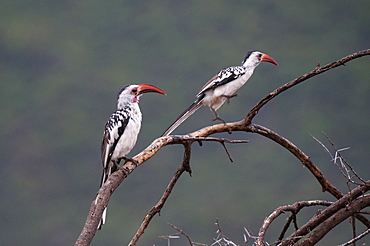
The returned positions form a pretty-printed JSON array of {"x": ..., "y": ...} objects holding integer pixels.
[
  {"x": 222, "y": 87},
  {"x": 122, "y": 129}
]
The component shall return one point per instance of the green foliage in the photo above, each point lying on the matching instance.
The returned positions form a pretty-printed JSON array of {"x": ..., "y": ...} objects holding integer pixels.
[{"x": 62, "y": 63}]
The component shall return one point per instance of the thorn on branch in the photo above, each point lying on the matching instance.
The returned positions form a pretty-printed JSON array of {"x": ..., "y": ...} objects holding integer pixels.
[
  {"x": 248, "y": 235},
  {"x": 179, "y": 232},
  {"x": 343, "y": 163},
  {"x": 221, "y": 238}
]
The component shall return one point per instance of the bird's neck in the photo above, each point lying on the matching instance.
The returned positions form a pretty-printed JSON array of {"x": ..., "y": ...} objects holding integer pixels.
[
  {"x": 250, "y": 65},
  {"x": 121, "y": 104},
  {"x": 133, "y": 106},
  {"x": 132, "y": 109},
  {"x": 135, "y": 112}
]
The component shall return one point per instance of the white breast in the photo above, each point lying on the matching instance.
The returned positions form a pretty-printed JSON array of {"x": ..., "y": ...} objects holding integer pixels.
[
  {"x": 215, "y": 98},
  {"x": 128, "y": 139}
]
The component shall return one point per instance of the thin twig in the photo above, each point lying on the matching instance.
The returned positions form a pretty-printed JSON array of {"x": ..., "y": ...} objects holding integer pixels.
[
  {"x": 356, "y": 238},
  {"x": 181, "y": 232},
  {"x": 157, "y": 208},
  {"x": 334, "y": 159},
  {"x": 248, "y": 235},
  {"x": 343, "y": 161},
  {"x": 353, "y": 225},
  {"x": 221, "y": 238}
]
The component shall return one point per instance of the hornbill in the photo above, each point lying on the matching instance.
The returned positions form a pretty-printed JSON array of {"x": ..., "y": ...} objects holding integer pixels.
[
  {"x": 222, "y": 87},
  {"x": 121, "y": 130}
]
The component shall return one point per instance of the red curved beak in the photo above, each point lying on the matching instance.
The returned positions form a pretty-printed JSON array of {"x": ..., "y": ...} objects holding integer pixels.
[
  {"x": 144, "y": 88},
  {"x": 267, "y": 58}
]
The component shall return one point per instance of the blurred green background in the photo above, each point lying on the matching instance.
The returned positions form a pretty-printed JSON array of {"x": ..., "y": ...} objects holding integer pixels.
[{"x": 62, "y": 63}]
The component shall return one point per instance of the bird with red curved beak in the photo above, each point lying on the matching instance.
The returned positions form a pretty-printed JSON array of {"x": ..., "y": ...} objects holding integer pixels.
[
  {"x": 122, "y": 129},
  {"x": 222, "y": 87}
]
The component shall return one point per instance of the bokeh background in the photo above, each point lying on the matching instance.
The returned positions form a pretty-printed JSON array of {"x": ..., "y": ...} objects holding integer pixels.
[{"x": 62, "y": 63}]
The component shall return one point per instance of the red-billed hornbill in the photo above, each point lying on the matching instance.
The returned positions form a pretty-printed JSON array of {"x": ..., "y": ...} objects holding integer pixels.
[
  {"x": 223, "y": 86},
  {"x": 122, "y": 129}
]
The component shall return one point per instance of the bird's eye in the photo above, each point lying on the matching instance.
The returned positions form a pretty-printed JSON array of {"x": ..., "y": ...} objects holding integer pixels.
[
  {"x": 134, "y": 91},
  {"x": 259, "y": 55}
]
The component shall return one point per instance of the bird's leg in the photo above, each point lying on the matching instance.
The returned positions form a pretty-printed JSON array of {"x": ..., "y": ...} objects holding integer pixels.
[
  {"x": 115, "y": 166},
  {"x": 229, "y": 97},
  {"x": 217, "y": 116}
]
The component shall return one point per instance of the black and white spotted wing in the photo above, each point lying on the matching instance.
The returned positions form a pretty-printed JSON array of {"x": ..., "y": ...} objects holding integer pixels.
[
  {"x": 114, "y": 129},
  {"x": 225, "y": 76}
]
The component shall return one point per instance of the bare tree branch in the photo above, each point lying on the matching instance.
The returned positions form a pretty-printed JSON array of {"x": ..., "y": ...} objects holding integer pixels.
[
  {"x": 356, "y": 238},
  {"x": 294, "y": 209},
  {"x": 344, "y": 163},
  {"x": 316, "y": 71},
  {"x": 221, "y": 238},
  {"x": 326, "y": 226},
  {"x": 306, "y": 161},
  {"x": 183, "y": 233},
  {"x": 157, "y": 208},
  {"x": 353, "y": 202},
  {"x": 114, "y": 180}
]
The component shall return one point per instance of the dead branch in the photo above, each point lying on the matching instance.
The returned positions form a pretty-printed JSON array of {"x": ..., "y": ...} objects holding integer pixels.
[
  {"x": 221, "y": 238},
  {"x": 294, "y": 209},
  {"x": 186, "y": 141},
  {"x": 306, "y": 161},
  {"x": 157, "y": 208},
  {"x": 344, "y": 163},
  {"x": 183, "y": 233},
  {"x": 356, "y": 238},
  {"x": 114, "y": 180},
  {"x": 318, "y": 70},
  {"x": 350, "y": 204},
  {"x": 333, "y": 221}
]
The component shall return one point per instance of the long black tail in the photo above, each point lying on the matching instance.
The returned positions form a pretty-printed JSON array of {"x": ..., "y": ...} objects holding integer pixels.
[
  {"x": 112, "y": 167},
  {"x": 186, "y": 114}
]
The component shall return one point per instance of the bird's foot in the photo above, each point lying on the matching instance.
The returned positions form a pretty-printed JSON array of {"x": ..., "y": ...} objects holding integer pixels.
[
  {"x": 229, "y": 97},
  {"x": 220, "y": 119},
  {"x": 130, "y": 159}
]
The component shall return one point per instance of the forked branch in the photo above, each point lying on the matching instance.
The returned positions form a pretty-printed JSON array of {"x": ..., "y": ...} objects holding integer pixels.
[
  {"x": 294, "y": 209},
  {"x": 114, "y": 180}
]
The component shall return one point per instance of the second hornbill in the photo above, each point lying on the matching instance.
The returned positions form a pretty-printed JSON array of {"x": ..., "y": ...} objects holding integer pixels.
[{"x": 223, "y": 86}]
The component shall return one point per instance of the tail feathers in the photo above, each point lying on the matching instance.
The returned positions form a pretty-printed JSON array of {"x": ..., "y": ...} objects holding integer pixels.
[
  {"x": 112, "y": 167},
  {"x": 103, "y": 218},
  {"x": 186, "y": 114},
  {"x": 108, "y": 170}
]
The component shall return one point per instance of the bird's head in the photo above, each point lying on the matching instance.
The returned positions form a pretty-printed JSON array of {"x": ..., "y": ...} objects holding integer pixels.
[
  {"x": 254, "y": 58},
  {"x": 131, "y": 93}
]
